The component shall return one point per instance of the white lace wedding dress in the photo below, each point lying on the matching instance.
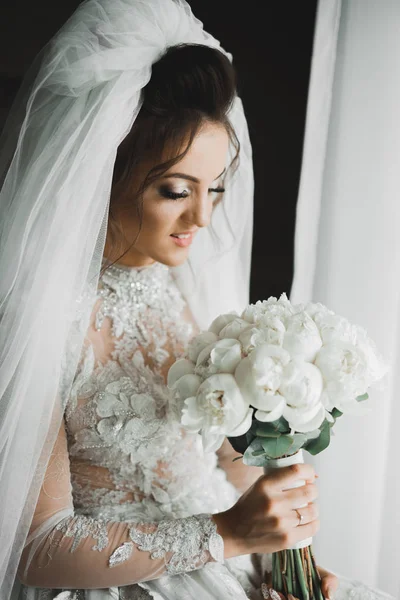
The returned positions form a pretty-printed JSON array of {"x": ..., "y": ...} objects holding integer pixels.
[{"x": 130, "y": 493}]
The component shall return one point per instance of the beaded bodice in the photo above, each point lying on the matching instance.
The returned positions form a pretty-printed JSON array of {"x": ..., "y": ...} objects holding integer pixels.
[{"x": 129, "y": 456}]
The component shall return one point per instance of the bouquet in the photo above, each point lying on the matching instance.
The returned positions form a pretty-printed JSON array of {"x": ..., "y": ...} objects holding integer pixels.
[{"x": 274, "y": 380}]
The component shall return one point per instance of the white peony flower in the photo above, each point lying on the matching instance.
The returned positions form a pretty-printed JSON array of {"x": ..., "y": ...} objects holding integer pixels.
[
  {"x": 218, "y": 410},
  {"x": 199, "y": 342},
  {"x": 302, "y": 338},
  {"x": 221, "y": 321},
  {"x": 334, "y": 328},
  {"x": 378, "y": 368},
  {"x": 222, "y": 356},
  {"x": 259, "y": 377},
  {"x": 336, "y": 395},
  {"x": 302, "y": 388},
  {"x": 346, "y": 372}
]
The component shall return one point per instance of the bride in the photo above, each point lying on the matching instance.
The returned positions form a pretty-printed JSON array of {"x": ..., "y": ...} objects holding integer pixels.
[{"x": 126, "y": 227}]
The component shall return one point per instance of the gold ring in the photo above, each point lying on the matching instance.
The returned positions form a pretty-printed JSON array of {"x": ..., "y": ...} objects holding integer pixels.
[{"x": 301, "y": 517}]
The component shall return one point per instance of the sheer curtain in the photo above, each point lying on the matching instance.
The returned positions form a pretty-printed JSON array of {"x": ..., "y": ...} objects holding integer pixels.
[{"x": 347, "y": 256}]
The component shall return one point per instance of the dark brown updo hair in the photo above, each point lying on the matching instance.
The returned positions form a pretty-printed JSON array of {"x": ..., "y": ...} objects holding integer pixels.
[{"x": 189, "y": 85}]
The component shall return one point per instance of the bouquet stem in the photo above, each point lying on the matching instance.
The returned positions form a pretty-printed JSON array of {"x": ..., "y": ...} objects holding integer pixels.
[{"x": 294, "y": 572}]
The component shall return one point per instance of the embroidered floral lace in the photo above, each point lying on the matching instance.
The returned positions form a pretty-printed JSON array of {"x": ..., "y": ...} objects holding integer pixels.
[{"x": 138, "y": 491}]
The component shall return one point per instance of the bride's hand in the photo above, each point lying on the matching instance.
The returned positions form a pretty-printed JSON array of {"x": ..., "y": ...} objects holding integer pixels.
[{"x": 264, "y": 520}]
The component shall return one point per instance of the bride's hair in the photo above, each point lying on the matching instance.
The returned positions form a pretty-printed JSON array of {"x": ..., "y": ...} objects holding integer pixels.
[{"x": 190, "y": 84}]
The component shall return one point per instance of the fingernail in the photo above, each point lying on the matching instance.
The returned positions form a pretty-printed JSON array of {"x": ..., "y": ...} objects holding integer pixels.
[
  {"x": 329, "y": 594},
  {"x": 317, "y": 476}
]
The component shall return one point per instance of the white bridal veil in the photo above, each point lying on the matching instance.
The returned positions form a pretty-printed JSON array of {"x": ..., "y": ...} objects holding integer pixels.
[{"x": 77, "y": 103}]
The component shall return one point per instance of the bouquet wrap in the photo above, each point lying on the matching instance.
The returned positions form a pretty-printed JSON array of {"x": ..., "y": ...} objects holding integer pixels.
[{"x": 277, "y": 463}]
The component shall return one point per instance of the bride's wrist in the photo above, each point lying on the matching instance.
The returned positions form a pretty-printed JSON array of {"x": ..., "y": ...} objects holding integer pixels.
[{"x": 223, "y": 529}]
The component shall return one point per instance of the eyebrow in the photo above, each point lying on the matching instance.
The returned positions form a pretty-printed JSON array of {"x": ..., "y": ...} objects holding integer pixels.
[{"x": 189, "y": 177}]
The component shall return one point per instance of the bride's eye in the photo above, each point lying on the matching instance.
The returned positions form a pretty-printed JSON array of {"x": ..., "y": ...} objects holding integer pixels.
[
  {"x": 217, "y": 193},
  {"x": 166, "y": 192}
]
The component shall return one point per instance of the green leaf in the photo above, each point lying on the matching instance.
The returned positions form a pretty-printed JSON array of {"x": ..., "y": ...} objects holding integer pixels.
[
  {"x": 255, "y": 454},
  {"x": 282, "y": 425},
  {"x": 299, "y": 439},
  {"x": 311, "y": 435},
  {"x": 321, "y": 442},
  {"x": 267, "y": 434},
  {"x": 363, "y": 397},
  {"x": 276, "y": 447},
  {"x": 263, "y": 429},
  {"x": 336, "y": 413}
]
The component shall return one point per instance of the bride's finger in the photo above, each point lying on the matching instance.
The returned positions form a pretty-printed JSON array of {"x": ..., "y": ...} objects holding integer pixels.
[
  {"x": 329, "y": 582},
  {"x": 301, "y": 495},
  {"x": 308, "y": 513}
]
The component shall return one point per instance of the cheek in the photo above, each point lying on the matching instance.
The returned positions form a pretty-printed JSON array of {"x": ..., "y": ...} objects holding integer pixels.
[{"x": 162, "y": 216}]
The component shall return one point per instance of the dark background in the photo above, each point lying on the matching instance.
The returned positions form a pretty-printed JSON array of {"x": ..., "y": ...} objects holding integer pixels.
[{"x": 271, "y": 43}]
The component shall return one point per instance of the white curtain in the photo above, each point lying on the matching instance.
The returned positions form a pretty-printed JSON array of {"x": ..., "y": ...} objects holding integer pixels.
[{"x": 347, "y": 256}]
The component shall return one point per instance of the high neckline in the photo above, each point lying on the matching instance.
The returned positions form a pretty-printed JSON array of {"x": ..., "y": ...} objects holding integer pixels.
[
  {"x": 128, "y": 268},
  {"x": 129, "y": 292}
]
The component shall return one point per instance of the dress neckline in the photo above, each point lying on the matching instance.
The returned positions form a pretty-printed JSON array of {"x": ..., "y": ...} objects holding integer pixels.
[
  {"x": 129, "y": 292},
  {"x": 128, "y": 268}
]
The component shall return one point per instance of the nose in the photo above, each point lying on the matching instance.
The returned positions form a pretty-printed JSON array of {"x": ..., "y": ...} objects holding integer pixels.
[{"x": 202, "y": 209}]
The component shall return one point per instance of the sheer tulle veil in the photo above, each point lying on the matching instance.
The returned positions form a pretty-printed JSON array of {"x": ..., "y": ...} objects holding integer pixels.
[{"x": 77, "y": 103}]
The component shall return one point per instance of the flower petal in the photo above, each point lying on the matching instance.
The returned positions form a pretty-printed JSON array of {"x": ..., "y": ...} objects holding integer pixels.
[
  {"x": 188, "y": 385},
  {"x": 191, "y": 418},
  {"x": 211, "y": 441},
  {"x": 312, "y": 423},
  {"x": 199, "y": 342},
  {"x": 181, "y": 367},
  {"x": 272, "y": 415},
  {"x": 233, "y": 329},
  {"x": 222, "y": 356},
  {"x": 221, "y": 321},
  {"x": 244, "y": 426},
  {"x": 107, "y": 404}
]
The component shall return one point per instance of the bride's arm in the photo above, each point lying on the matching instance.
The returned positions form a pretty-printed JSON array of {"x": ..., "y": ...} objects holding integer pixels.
[
  {"x": 239, "y": 474},
  {"x": 65, "y": 550}
]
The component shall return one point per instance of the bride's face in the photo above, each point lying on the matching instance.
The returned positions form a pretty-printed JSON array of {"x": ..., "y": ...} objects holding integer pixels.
[{"x": 180, "y": 201}]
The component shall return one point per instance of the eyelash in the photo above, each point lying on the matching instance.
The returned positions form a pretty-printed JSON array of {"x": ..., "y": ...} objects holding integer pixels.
[{"x": 175, "y": 196}]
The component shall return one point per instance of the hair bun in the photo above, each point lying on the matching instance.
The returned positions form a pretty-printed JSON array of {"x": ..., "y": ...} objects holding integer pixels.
[{"x": 193, "y": 77}]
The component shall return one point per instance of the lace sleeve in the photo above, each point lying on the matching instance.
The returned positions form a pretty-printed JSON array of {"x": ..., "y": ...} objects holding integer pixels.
[{"x": 64, "y": 550}]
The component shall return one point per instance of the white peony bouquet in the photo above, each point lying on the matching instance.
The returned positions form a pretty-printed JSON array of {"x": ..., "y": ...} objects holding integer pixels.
[{"x": 274, "y": 380}]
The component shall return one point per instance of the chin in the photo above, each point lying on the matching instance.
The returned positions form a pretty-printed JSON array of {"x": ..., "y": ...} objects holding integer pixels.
[{"x": 173, "y": 259}]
